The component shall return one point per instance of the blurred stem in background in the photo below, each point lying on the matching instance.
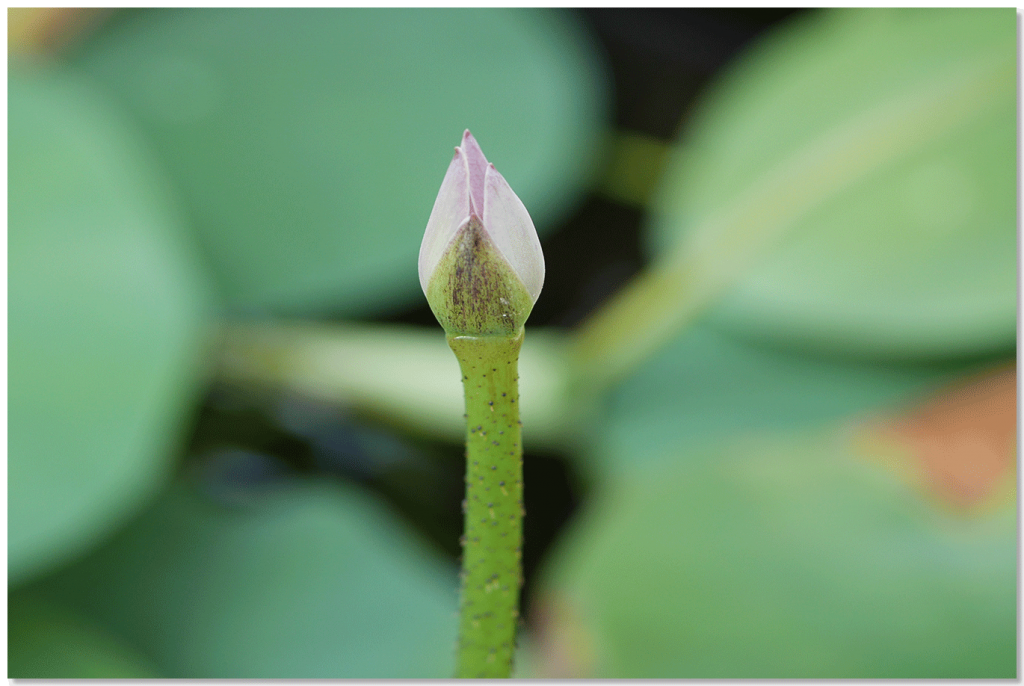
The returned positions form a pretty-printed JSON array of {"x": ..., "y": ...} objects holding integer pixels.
[{"x": 399, "y": 374}]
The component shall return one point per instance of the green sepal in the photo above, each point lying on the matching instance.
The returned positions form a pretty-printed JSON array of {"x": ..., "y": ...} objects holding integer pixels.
[{"x": 474, "y": 291}]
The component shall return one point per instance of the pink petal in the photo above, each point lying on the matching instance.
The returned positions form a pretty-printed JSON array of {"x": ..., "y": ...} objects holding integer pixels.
[
  {"x": 477, "y": 164},
  {"x": 509, "y": 225},
  {"x": 451, "y": 209}
]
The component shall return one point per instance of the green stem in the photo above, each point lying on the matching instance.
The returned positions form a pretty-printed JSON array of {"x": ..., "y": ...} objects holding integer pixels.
[{"x": 492, "y": 540}]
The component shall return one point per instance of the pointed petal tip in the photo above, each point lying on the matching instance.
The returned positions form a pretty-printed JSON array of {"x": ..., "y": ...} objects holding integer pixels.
[
  {"x": 469, "y": 140},
  {"x": 476, "y": 166},
  {"x": 472, "y": 149}
]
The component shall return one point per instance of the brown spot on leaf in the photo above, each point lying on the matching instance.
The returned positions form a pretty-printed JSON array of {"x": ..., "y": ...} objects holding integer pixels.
[{"x": 961, "y": 443}]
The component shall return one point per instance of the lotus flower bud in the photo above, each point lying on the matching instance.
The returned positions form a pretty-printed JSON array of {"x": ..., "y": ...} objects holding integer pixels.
[{"x": 481, "y": 266}]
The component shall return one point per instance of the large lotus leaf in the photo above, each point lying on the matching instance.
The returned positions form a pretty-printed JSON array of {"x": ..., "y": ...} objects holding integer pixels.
[
  {"x": 705, "y": 386},
  {"x": 310, "y": 144},
  {"x": 308, "y": 581},
  {"x": 46, "y": 641},
  {"x": 851, "y": 184},
  {"x": 107, "y": 320},
  {"x": 791, "y": 558}
]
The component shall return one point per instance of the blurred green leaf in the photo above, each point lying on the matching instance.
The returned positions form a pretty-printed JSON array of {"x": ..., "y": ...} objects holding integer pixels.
[
  {"x": 310, "y": 144},
  {"x": 706, "y": 386},
  {"x": 785, "y": 559},
  {"x": 853, "y": 181},
  {"x": 309, "y": 581},
  {"x": 45, "y": 641},
  {"x": 107, "y": 320}
]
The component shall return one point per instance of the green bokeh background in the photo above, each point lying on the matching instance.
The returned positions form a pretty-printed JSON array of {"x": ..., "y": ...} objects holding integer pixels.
[
  {"x": 309, "y": 146},
  {"x": 215, "y": 209},
  {"x": 911, "y": 257}
]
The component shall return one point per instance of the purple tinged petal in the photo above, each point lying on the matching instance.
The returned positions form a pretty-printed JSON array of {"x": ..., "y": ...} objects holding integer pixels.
[
  {"x": 477, "y": 165},
  {"x": 509, "y": 225},
  {"x": 473, "y": 187},
  {"x": 451, "y": 210}
]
